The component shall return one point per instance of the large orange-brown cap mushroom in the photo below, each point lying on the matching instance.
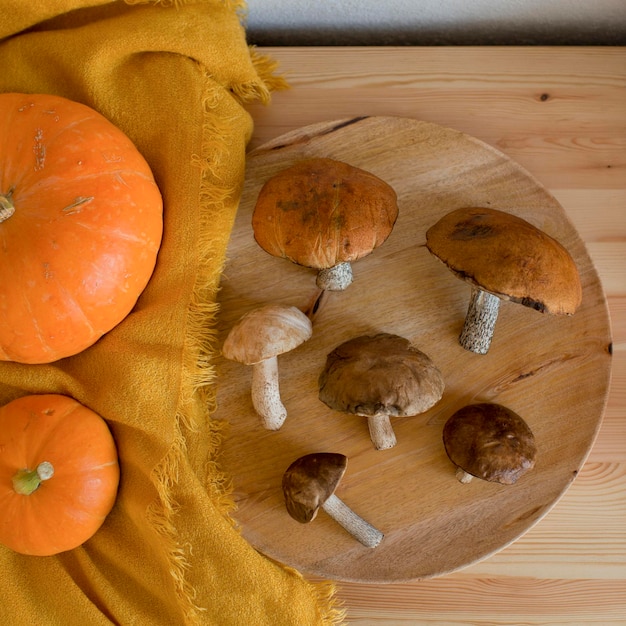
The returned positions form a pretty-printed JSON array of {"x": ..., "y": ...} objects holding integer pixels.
[
  {"x": 257, "y": 339},
  {"x": 503, "y": 257},
  {"x": 324, "y": 214},
  {"x": 377, "y": 377},
  {"x": 309, "y": 484},
  {"x": 489, "y": 441}
]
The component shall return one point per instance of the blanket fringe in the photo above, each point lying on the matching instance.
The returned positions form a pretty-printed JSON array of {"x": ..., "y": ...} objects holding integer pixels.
[{"x": 198, "y": 371}]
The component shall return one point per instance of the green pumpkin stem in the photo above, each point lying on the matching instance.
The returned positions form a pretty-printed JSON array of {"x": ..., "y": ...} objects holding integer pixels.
[
  {"x": 6, "y": 205},
  {"x": 26, "y": 481}
]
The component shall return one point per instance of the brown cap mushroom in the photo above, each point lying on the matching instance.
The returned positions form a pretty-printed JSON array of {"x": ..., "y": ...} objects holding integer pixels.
[
  {"x": 257, "y": 339},
  {"x": 489, "y": 441},
  {"x": 377, "y": 377},
  {"x": 324, "y": 214},
  {"x": 503, "y": 257},
  {"x": 310, "y": 482}
]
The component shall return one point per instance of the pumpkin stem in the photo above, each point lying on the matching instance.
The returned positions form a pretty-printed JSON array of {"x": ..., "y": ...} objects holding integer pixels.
[
  {"x": 6, "y": 205},
  {"x": 26, "y": 481}
]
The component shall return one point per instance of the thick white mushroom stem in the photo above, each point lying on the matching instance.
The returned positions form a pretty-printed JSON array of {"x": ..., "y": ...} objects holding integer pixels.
[
  {"x": 480, "y": 321},
  {"x": 361, "y": 530},
  {"x": 462, "y": 476},
  {"x": 266, "y": 394},
  {"x": 335, "y": 278},
  {"x": 381, "y": 432}
]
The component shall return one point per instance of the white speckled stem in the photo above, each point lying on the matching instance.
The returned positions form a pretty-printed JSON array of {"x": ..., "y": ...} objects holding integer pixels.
[
  {"x": 335, "y": 278},
  {"x": 480, "y": 321},
  {"x": 266, "y": 394},
  {"x": 361, "y": 530},
  {"x": 381, "y": 432},
  {"x": 463, "y": 476}
]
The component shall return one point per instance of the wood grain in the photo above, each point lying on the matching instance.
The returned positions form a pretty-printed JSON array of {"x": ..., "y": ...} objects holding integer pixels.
[{"x": 571, "y": 567}]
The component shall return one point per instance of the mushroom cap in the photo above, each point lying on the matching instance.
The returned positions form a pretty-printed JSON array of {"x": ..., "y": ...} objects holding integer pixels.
[
  {"x": 309, "y": 481},
  {"x": 320, "y": 212},
  {"x": 266, "y": 332},
  {"x": 508, "y": 257},
  {"x": 491, "y": 442},
  {"x": 380, "y": 375}
]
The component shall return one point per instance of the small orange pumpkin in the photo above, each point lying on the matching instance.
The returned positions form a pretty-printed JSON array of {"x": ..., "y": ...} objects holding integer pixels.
[
  {"x": 81, "y": 220},
  {"x": 59, "y": 474}
]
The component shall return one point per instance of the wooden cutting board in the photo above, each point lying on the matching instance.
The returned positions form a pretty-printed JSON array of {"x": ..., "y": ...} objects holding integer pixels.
[{"x": 553, "y": 371}]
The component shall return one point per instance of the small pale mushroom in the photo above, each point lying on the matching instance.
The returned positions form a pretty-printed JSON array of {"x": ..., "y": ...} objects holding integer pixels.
[
  {"x": 309, "y": 484},
  {"x": 324, "y": 214},
  {"x": 503, "y": 257},
  {"x": 378, "y": 377},
  {"x": 489, "y": 441},
  {"x": 257, "y": 339}
]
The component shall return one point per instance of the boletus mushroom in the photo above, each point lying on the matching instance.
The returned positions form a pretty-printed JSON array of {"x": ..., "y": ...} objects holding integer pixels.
[
  {"x": 324, "y": 214},
  {"x": 257, "y": 339},
  {"x": 379, "y": 377},
  {"x": 503, "y": 257},
  {"x": 310, "y": 483},
  {"x": 489, "y": 441}
]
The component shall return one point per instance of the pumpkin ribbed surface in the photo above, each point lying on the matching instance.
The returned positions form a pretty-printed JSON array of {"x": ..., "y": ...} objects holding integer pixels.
[
  {"x": 67, "y": 508},
  {"x": 80, "y": 227}
]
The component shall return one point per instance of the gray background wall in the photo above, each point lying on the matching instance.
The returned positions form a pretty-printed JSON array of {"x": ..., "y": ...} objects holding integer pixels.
[{"x": 436, "y": 22}]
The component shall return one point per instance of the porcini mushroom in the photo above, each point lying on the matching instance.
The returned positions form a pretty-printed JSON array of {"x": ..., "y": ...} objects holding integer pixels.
[
  {"x": 324, "y": 214},
  {"x": 377, "y": 377},
  {"x": 489, "y": 441},
  {"x": 310, "y": 483},
  {"x": 257, "y": 339},
  {"x": 503, "y": 257}
]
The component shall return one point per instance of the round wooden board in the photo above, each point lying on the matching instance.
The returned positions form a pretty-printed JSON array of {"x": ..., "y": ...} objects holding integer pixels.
[{"x": 553, "y": 371}]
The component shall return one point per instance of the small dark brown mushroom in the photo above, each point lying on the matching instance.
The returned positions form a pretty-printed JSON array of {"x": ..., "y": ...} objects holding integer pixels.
[
  {"x": 489, "y": 441},
  {"x": 324, "y": 214},
  {"x": 257, "y": 339},
  {"x": 377, "y": 377},
  {"x": 310, "y": 483},
  {"x": 503, "y": 257}
]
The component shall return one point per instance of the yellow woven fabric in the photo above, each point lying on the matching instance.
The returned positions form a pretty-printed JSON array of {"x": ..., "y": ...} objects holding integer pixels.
[{"x": 175, "y": 77}]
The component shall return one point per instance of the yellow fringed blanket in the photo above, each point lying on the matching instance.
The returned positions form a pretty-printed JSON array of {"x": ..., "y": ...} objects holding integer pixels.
[{"x": 174, "y": 77}]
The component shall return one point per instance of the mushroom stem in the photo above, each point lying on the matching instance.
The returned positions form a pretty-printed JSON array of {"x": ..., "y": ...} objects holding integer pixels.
[
  {"x": 381, "y": 432},
  {"x": 480, "y": 321},
  {"x": 361, "y": 530},
  {"x": 335, "y": 278},
  {"x": 462, "y": 476},
  {"x": 266, "y": 394}
]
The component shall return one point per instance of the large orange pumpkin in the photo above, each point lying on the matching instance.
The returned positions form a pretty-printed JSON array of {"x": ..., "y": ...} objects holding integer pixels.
[
  {"x": 59, "y": 474},
  {"x": 81, "y": 221}
]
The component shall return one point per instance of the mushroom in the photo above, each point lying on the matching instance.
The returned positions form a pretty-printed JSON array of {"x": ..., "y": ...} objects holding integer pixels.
[
  {"x": 503, "y": 257},
  {"x": 324, "y": 214},
  {"x": 310, "y": 483},
  {"x": 377, "y": 377},
  {"x": 257, "y": 339},
  {"x": 489, "y": 441}
]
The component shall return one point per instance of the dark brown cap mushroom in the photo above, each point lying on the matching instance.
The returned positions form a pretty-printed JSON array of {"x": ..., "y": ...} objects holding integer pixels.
[
  {"x": 503, "y": 257},
  {"x": 257, "y": 339},
  {"x": 309, "y": 484},
  {"x": 324, "y": 214},
  {"x": 489, "y": 441},
  {"x": 377, "y": 377}
]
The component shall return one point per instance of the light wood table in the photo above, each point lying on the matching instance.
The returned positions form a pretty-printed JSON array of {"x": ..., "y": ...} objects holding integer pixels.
[{"x": 560, "y": 113}]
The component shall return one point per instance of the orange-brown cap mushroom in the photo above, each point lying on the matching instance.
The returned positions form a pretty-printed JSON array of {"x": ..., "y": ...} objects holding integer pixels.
[
  {"x": 377, "y": 377},
  {"x": 310, "y": 483},
  {"x": 257, "y": 339},
  {"x": 324, "y": 214},
  {"x": 503, "y": 257},
  {"x": 489, "y": 441}
]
